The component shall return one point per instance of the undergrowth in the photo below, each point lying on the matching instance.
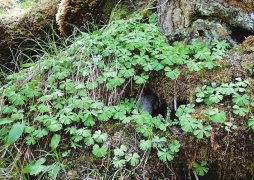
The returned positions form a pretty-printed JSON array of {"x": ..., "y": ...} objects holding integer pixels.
[{"x": 75, "y": 100}]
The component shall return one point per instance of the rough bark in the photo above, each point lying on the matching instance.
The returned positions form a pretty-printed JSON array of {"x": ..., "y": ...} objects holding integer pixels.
[{"x": 223, "y": 19}]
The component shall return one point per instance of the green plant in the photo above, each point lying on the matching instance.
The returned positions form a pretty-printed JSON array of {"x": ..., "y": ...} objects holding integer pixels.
[
  {"x": 251, "y": 122},
  {"x": 121, "y": 157},
  {"x": 167, "y": 154},
  {"x": 201, "y": 168},
  {"x": 213, "y": 95},
  {"x": 100, "y": 151},
  {"x": 216, "y": 93},
  {"x": 73, "y": 96},
  {"x": 38, "y": 167}
]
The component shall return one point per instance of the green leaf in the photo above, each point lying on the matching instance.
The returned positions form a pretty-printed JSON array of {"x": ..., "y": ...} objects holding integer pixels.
[
  {"x": 91, "y": 85},
  {"x": 126, "y": 73},
  {"x": 55, "y": 126},
  {"x": 5, "y": 121},
  {"x": 240, "y": 111},
  {"x": 213, "y": 98},
  {"x": 36, "y": 168},
  {"x": 65, "y": 119},
  {"x": 157, "y": 66},
  {"x": 172, "y": 74},
  {"x": 203, "y": 131},
  {"x": 97, "y": 105},
  {"x": 175, "y": 146},
  {"x": 53, "y": 171},
  {"x": 226, "y": 89},
  {"x": 133, "y": 159},
  {"x": 8, "y": 109},
  {"x": 201, "y": 169},
  {"x": 241, "y": 100},
  {"x": 200, "y": 91},
  {"x": 15, "y": 133},
  {"x": 29, "y": 129},
  {"x": 145, "y": 145},
  {"x": 188, "y": 123},
  {"x": 17, "y": 116},
  {"x": 218, "y": 117},
  {"x": 165, "y": 155},
  {"x": 251, "y": 122},
  {"x": 89, "y": 141},
  {"x": 141, "y": 79},
  {"x": 100, "y": 151},
  {"x": 158, "y": 142},
  {"x": 120, "y": 151},
  {"x": 120, "y": 114},
  {"x": 194, "y": 66},
  {"x": 113, "y": 83},
  {"x": 17, "y": 99},
  {"x": 84, "y": 132},
  {"x": 30, "y": 141},
  {"x": 39, "y": 133},
  {"x": 88, "y": 120},
  {"x": 118, "y": 163},
  {"x": 99, "y": 136},
  {"x": 105, "y": 115},
  {"x": 126, "y": 120},
  {"x": 210, "y": 64},
  {"x": 55, "y": 141}
]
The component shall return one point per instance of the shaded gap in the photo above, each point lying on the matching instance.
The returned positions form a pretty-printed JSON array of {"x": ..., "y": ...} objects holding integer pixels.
[{"x": 239, "y": 34}]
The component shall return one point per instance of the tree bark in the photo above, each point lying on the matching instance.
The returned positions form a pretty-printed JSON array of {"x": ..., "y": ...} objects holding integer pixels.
[{"x": 223, "y": 19}]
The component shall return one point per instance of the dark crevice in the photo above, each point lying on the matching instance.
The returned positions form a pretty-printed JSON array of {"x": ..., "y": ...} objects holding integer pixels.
[
  {"x": 162, "y": 109},
  {"x": 239, "y": 34},
  {"x": 152, "y": 104}
]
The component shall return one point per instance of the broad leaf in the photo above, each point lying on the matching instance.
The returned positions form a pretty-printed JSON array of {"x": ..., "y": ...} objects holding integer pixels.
[{"x": 15, "y": 133}]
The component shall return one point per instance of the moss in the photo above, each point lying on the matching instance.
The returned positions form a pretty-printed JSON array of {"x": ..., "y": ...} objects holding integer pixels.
[
  {"x": 146, "y": 10},
  {"x": 78, "y": 13},
  {"x": 245, "y": 6},
  {"x": 108, "y": 7},
  {"x": 248, "y": 44},
  {"x": 184, "y": 87},
  {"x": 120, "y": 11}
]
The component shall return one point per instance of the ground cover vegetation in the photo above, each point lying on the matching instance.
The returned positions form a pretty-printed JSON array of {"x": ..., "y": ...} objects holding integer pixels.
[{"x": 78, "y": 100}]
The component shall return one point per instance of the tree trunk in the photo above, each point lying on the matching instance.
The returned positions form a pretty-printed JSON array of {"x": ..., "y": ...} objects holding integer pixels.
[
  {"x": 15, "y": 31},
  {"x": 62, "y": 15},
  {"x": 222, "y": 19}
]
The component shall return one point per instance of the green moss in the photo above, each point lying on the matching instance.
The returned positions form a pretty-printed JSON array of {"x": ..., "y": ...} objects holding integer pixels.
[
  {"x": 146, "y": 10},
  {"x": 108, "y": 7},
  {"x": 120, "y": 11}
]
